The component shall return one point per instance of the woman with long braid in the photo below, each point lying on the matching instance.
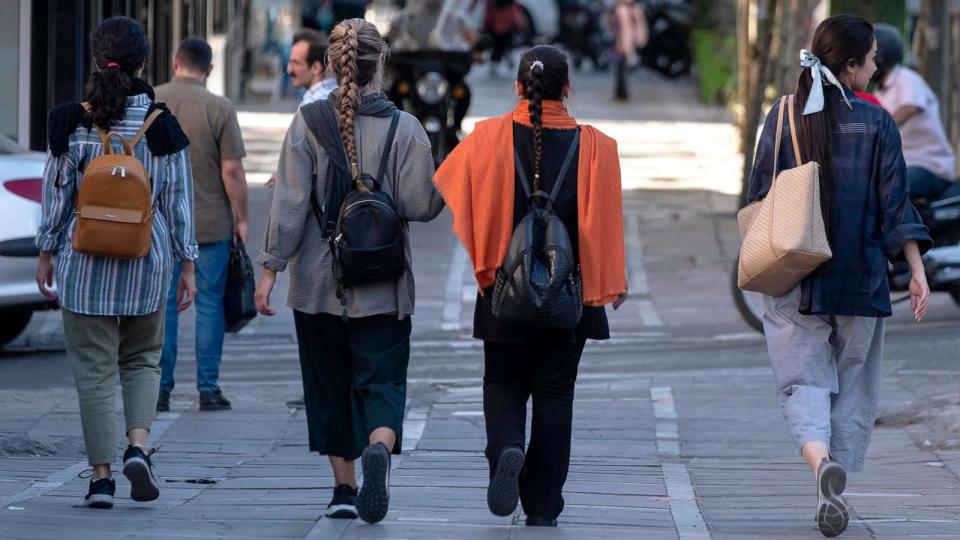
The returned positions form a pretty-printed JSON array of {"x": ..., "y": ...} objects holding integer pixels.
[
  {"x": 523, "y": 360},
  {"x": 354, "y": 343}
]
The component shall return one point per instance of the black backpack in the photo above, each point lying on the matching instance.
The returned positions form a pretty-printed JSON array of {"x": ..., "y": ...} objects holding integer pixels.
[
  {"x": 539, "y": 282},
  {"x": 368, "y": 241}
]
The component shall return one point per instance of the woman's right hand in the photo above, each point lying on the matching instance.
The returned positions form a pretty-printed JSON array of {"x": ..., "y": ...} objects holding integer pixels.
[
  {"x": 268, "y": 278},
  {"x": 919, "y": 295},
  {"x": 45, "y": 275}
]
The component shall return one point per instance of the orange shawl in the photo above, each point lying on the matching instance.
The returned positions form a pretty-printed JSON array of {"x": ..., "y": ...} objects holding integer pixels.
[{"x": 477, "y": 181}]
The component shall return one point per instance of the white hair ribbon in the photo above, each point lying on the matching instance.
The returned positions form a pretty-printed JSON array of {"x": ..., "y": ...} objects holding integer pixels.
[{"x": 815, "y": 99}]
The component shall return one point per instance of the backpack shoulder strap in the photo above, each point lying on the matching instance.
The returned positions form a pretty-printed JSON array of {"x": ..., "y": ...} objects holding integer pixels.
[
  {"x": 521, "y": 173},
  {"x": 394, "y": 122},
  {"x": 147, "y": 122},
  {"x": 574, "y": 147}
]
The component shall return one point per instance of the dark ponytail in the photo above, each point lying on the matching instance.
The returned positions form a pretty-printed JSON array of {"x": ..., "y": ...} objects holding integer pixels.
[
  {"x": 543, "y": 74},
  {"x": 120, "y": 48},
  {"x": 838, "y": 41}
]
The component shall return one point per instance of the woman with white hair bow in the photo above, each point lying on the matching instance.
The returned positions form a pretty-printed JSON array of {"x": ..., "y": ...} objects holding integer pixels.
[{"x": 825, "y": 337}]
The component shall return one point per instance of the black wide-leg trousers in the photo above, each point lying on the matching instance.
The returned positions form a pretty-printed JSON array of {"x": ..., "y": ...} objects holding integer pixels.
[{"x": 547, "y": 372}]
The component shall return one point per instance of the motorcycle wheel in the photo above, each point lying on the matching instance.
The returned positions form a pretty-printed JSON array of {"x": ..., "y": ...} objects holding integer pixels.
[{"x": 749, "y": 304}]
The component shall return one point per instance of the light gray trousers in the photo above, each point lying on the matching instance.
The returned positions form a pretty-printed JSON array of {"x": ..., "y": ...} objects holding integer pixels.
[{"x": 828, "y": 375}]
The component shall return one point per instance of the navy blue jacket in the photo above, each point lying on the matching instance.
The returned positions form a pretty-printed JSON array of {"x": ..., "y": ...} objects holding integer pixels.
[{"x": 871, "y": 216}]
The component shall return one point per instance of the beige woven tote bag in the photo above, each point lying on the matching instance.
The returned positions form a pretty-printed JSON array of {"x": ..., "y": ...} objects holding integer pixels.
[{"x": 783, "y": 236}]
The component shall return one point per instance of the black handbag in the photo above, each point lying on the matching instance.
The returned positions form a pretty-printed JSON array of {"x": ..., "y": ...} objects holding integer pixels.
[
  {"x": 539, "y": 282},
  {"x": 238, "y": 305}
]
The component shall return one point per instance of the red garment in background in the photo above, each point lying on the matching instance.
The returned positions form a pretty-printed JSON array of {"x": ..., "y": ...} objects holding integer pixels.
[
  {"x": 503, "y": 19},
  {"x": 866, "y": 96}
]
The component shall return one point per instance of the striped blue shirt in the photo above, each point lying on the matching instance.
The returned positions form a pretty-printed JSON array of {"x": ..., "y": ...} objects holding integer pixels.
[{"x": 94, "y": 285}]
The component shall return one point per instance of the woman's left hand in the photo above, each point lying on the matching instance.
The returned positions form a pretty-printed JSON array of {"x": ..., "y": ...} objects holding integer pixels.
[
  {"x": 620, "y": 300},
  {"x": 186, "y": 286},
  {"x": 919, "y": 295}
]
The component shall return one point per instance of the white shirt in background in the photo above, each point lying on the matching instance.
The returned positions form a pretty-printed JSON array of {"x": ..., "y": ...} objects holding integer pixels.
[
  {"x": 319, "y": 91},
  {"x": 925, "y": 144}
]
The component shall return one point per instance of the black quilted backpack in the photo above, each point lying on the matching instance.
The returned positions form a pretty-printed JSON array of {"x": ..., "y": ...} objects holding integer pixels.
[
  {"x": 368, "y": 242},
  {"x": 539, "y": 281}
]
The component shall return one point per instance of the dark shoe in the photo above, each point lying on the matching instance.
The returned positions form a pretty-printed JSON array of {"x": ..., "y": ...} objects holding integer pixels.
[
  {"x": 297, "y": 403},
  {"x": 832, "y": 513},
  {"x": 213, "y": 401},
  {"x": 100, "y": 494},
  {"x": 503, "y": 493},
  {"x": 344, "y": 503},
  {"x": 536, "y": 521},
  {"x": 139, "y": 470},
  {"x": 163, "y": 401},
  {"x": 374, "y": 498}
]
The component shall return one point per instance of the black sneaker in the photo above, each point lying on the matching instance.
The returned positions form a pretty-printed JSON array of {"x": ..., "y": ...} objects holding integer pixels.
[
  {"x": 100, "y": 494},
  {"x": 213, "y": 401},
  {"x": 297, "y": 403},
  {"x": 832, "y": 513},
  {"x": 374, "y": 498},
  {"x": 344, "y": 503},
  {"x": 537, "y": 521},
  {"x": 163, "y": 401},
  {"x": 503, "y": 493},
  {"x": 139, "y": 470}
]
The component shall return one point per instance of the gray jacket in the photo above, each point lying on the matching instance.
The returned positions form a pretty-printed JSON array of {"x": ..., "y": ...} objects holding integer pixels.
[{"x": 293, "y": 235}]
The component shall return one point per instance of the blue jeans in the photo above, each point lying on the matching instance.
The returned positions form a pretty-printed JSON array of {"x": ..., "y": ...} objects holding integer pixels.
[
  {"x": 211, "y": 283},
  {"x": 924, "y": 184}
]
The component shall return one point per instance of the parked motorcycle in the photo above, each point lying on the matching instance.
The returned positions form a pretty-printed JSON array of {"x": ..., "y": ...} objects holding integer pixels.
[
  {"x": 668, "y": 49},
  {"x": 942, "y": 263},
  {"x": 431, "y": 85},
  {"x": 585, "y": 33}
]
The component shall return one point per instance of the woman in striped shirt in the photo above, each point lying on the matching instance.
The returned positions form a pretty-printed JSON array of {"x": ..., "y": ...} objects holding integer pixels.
[{"x": 112, "y": 317}]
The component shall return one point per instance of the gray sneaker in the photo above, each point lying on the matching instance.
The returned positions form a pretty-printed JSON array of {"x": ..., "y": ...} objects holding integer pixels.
[
  {"x": 832, "y": 513},
  {"x": 214, "y": 401}
]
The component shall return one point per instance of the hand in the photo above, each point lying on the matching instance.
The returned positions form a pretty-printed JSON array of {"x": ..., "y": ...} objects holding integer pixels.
[
  {"x": 240, "y": 231},
  {"x": 621, "y": 299},
  {"x": 919, "y": 295},
  {"x": 45, "y": 275},
  {"x": 262, "y": 295},
  {"x": 186, "y": 286},
  {"x": 272, "y": 181}
]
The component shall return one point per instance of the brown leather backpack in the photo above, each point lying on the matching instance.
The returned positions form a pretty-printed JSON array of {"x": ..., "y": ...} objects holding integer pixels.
[{"x": 115, "y": 201}]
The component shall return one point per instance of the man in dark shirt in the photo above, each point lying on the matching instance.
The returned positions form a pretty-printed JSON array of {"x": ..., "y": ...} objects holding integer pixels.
[{"x": 220, "y": 195}]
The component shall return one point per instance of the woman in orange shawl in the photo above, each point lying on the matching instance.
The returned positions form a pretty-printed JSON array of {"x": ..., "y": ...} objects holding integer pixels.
[{"x": 480, "y": 184}]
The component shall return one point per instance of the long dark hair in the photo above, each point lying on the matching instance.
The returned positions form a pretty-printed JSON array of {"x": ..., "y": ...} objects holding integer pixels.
[
  {"x": 839, "y": 41},
  {"x": 543, "y": 74},
  {"x": 120, "y": 48}
]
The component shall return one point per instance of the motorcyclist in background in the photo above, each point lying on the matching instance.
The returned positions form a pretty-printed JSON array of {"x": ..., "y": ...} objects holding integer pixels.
[
  {"x": 432, "y": 25},
  {"x": 931, "y": 163}
]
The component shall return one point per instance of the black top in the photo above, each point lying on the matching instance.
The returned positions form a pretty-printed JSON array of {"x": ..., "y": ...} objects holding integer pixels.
[{"x": 593, "y": 324}]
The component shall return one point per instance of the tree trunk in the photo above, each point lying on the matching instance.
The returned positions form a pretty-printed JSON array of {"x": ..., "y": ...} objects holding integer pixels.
[{"x": 755, "y": 30}]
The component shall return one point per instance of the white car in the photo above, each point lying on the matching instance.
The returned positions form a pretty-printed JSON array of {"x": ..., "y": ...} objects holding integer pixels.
[{"x": 21, "y": 182}]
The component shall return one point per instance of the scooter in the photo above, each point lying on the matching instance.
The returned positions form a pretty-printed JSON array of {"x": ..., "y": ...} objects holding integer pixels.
[
  {"x": 941, "y": 264},
  {"x": 668, "y": 49},
  {"x": 584, "y": 34},
  {"x": 431, "y": 85}
]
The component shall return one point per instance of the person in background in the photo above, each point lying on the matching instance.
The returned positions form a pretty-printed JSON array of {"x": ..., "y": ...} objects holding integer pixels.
[
  {"x": 308, "y": 71},
  {"x": 354, "y": 342},
  {"x": 112, "y": 316},
  {"x": 502, "y": 19},
  {"x": 630, "y": 27},
  {"x": 220, "y": 195},
  {"x": 481, "y": 182},
  {"x": 931, "y": 162},
  {"x": 348, "y": 9},
  {"x": 825, "y": 337}
]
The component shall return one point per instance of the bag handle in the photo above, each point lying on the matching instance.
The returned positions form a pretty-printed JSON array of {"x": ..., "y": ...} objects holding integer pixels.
[{"x": 786, "y": 102}]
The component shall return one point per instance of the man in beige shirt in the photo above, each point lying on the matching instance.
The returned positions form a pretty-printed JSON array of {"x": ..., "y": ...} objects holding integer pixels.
[{"x": 220, "y": 195}]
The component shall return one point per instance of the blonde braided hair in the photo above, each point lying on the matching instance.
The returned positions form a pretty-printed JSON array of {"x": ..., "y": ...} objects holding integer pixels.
[{"x": 356, "y": 57}]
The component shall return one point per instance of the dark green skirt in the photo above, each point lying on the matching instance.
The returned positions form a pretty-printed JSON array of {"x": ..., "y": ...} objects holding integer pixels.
[{"x": 354, "y": 379}]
